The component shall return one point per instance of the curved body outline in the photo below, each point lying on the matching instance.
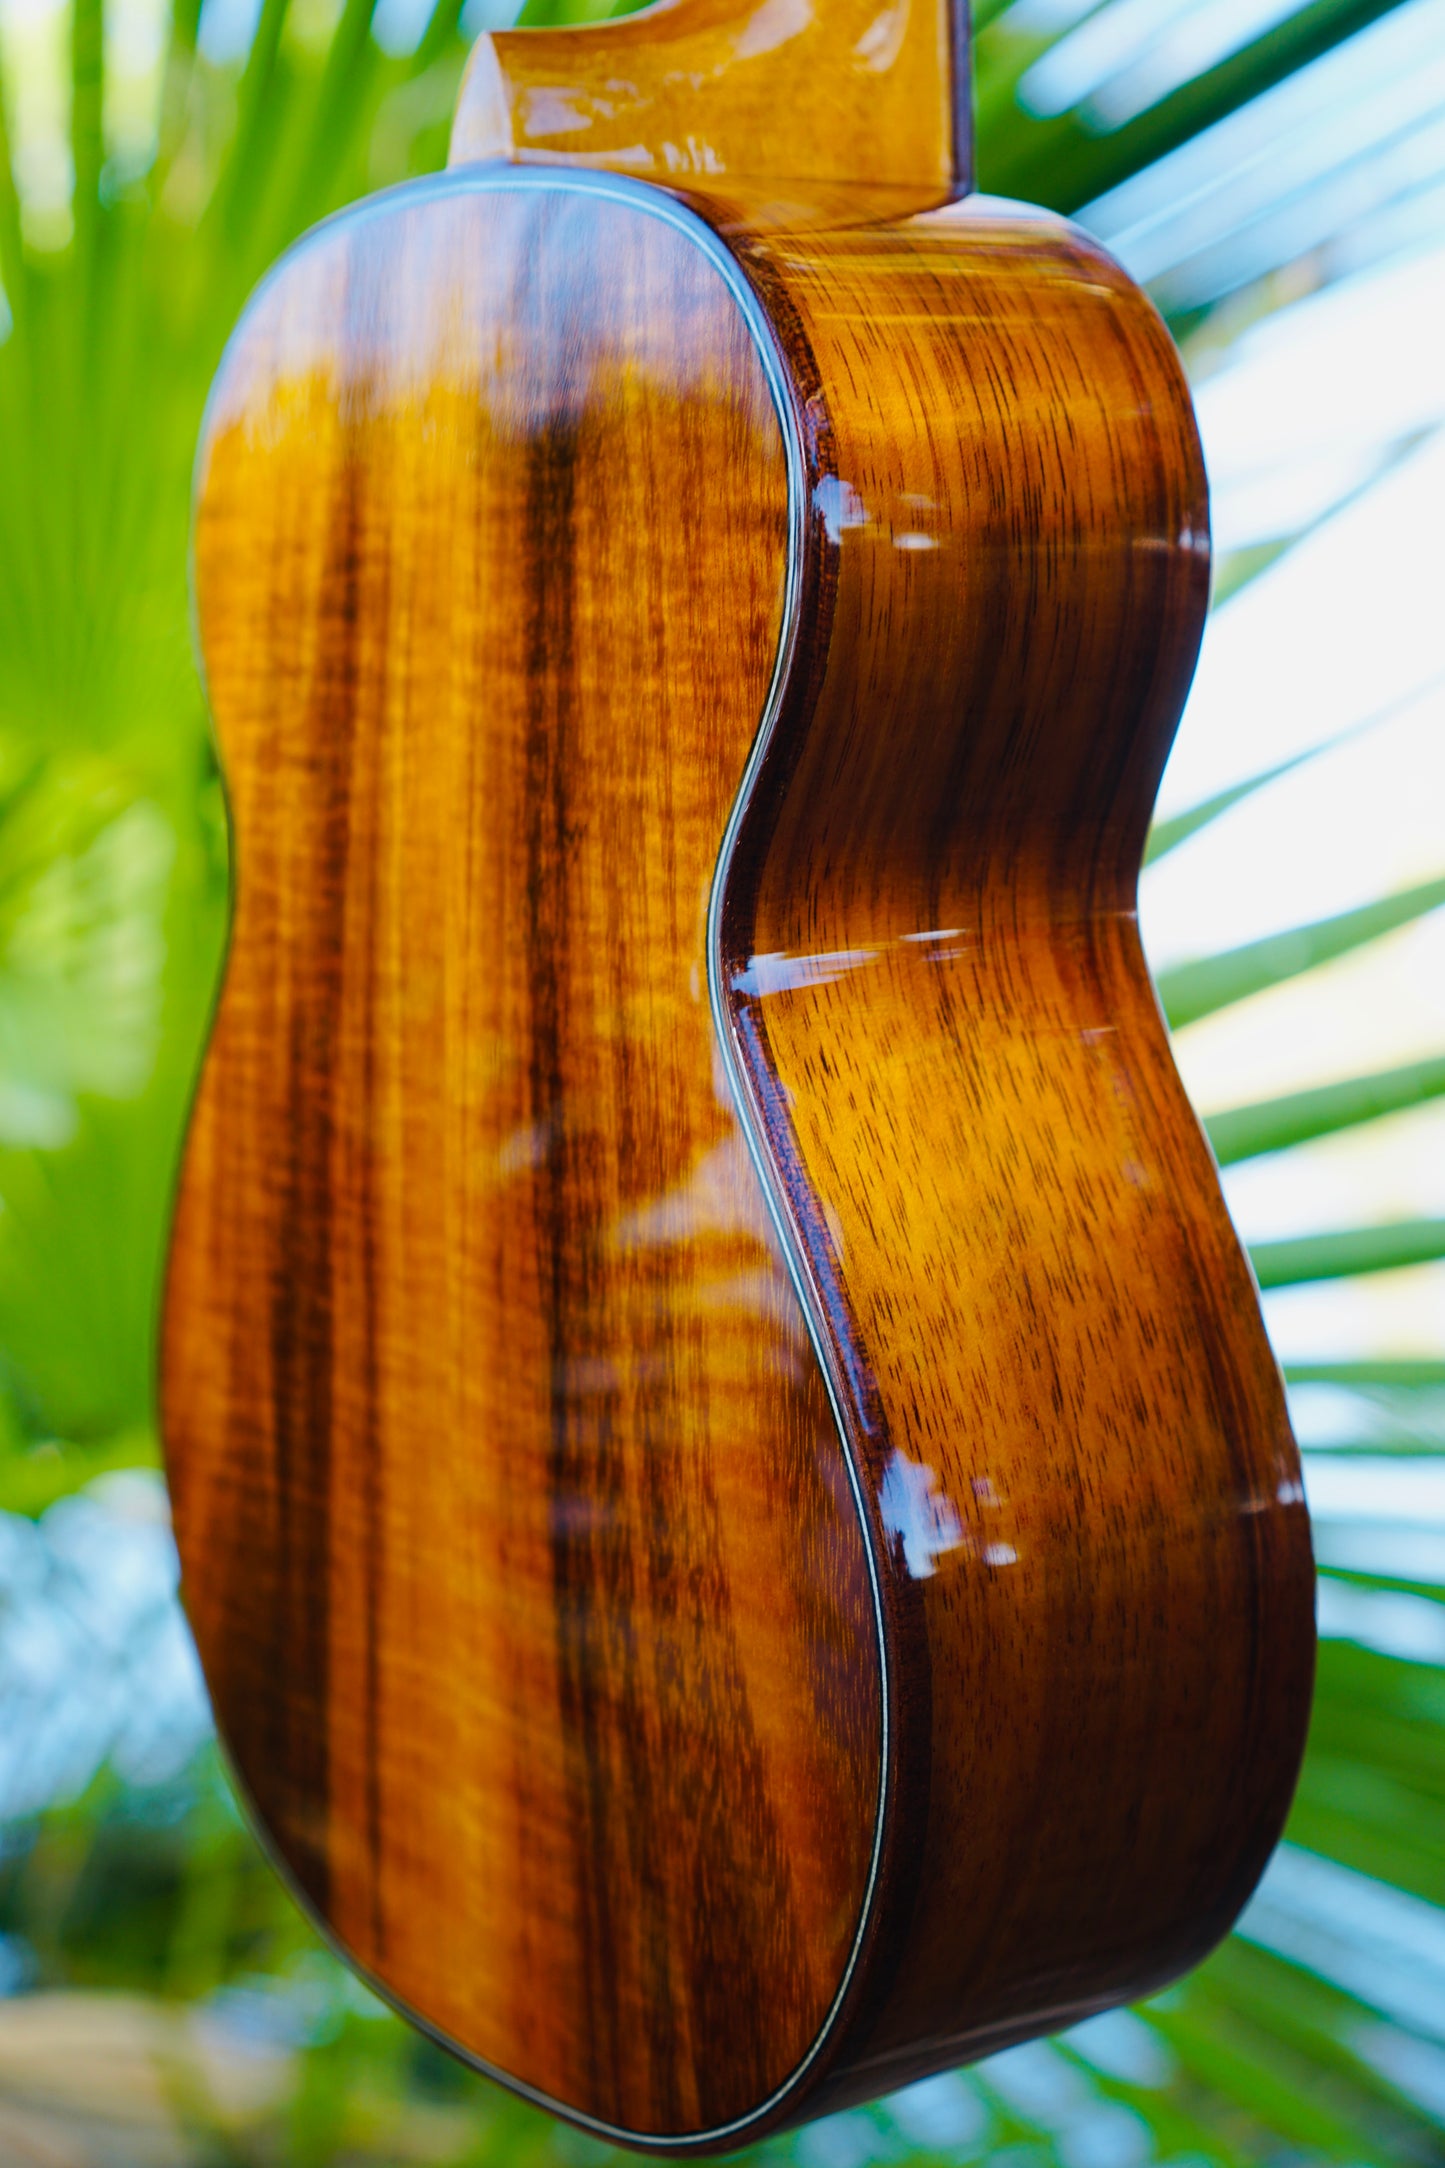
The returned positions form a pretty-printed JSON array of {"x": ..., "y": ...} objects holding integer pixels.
[
  {"x": 857, "y": 2023},
  {"x": 677, "y": 216}
]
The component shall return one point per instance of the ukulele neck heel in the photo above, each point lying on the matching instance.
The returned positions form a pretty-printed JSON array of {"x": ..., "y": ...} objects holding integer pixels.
[{"x": 783, "y": 105}]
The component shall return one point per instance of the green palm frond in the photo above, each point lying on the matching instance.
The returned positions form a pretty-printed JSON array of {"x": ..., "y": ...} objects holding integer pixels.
[
  {"x": 1065, "y": 158},
  {"x": 1191, "y": 991},
  {"x": 1385, "y": 1375},
  {"x": 1352, "y": 1250},
  {"x": 1272, "y": 1125}
]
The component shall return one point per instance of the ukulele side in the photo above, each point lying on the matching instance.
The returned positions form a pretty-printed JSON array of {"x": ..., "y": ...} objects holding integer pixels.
[{"x": 1038, "y": 1319}]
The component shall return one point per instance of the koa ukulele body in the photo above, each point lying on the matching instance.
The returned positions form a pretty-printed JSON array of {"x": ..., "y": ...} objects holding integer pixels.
[{"x": 733, "y": 1496}]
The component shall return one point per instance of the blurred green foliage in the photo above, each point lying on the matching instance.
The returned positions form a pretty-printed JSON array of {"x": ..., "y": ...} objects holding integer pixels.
[{"x": 113, "y": 888}]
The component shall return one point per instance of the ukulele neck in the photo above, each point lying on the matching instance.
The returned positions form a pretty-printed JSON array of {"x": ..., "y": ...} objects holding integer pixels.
[{"x": 790, "y": 108}]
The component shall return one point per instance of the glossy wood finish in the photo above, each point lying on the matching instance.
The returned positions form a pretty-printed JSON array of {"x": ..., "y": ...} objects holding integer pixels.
[
  {"x": 538, "y": 1454},
  {"x": 793, "y": 104},
  {"x": 518, "y": 1538},
  {"x": 1042, "y": 1330}
]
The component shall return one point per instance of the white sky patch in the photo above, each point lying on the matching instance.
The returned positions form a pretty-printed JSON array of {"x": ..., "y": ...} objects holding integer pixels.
[
  {"x": 1391, "y": 1169},
  {"x": 1355, "y": 823},
  {"x": 1345, "y": 626},
  {"x": 1382, "y": 1945},
  {"x": 399, "y": 26},
  {"x": 1417, "y": 2068},
  {"x": 1328, "y": 1416},
  {"x": 35, "y": 59},
  {"x": 1384, "y": 1315},
  {"x": 1197, "y": 39},
  {"x": 1376, "y": 1487},
  {"x": 1392, "y": 1622},
  {"x": 1377, "y": 1008},
  {"x": 226, "y": 29},
  {"x": 1125, "y": 58},
  {"x": 135, "y": 49},
  {"x": 1353, "y": 367},
  {"x": 1391, "y": 1554},
  {"x": 1283, "y": 145}
]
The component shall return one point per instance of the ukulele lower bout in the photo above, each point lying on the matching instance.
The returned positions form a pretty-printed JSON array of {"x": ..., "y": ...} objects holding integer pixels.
[{"x": 732, "y": 1495}]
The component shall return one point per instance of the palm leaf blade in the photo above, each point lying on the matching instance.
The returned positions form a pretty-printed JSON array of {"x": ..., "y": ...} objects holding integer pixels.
[
  {"x": 1352, "y": 1250},
  {"x": 1271, "y": 1125},
  {"x": 1192, "y": 991}
]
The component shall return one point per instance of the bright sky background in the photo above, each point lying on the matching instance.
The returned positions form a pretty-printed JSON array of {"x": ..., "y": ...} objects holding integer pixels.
[{"x": 1323, "y": 421}]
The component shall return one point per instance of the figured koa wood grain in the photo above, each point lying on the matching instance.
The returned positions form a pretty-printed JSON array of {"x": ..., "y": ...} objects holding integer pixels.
[
  {"x": 797, "y": 105},
  {"x": 742, "y": 1557},
  {"x": 518, "y": 1537},
  {"x": 1042, "y": 1327}
]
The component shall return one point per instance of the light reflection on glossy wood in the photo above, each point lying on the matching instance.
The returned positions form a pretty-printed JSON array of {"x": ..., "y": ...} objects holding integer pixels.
[
  {"x": 561, "y": 1529},
  {"x": 517, "y": 1534},
  {"x": 805, "y": 96},
  {"x": 1069, "y": 1408}
]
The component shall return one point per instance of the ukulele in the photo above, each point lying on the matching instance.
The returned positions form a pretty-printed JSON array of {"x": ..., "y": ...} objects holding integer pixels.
[{"x": 732, "y": 1493}]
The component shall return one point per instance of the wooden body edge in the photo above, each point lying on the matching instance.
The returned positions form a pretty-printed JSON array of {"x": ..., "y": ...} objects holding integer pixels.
[
  {"x": 837, "y": 2066},
  {"x": 783, "y": 2105}
]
